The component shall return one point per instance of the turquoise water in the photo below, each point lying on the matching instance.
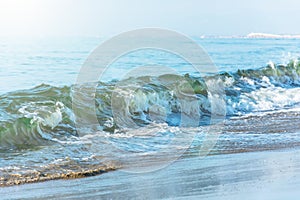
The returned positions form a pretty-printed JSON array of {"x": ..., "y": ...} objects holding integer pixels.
[
  {"x": 56, "y": 60},
  {"x": 38, "y": 133}
]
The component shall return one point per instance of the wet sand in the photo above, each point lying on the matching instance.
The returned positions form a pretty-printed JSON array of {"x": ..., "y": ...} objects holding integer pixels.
[{"x": 255, "y": 175}]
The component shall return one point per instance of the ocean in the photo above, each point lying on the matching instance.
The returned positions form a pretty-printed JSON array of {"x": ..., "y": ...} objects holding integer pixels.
[{"x": 39, "y": 137}]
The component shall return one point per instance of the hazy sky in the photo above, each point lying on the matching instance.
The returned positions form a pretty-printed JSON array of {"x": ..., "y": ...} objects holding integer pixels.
[{"x": 192, "y": 17}]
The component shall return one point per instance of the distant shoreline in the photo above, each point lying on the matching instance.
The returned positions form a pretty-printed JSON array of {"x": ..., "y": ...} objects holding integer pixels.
[{"x": 257, "y": 36}]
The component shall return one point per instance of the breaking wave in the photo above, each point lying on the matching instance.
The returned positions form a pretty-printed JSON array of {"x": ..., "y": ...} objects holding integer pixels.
[{"x": 43, "y": 115}]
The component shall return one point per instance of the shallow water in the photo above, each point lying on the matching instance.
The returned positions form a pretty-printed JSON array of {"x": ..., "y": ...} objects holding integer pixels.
[{"x": 256, "y": 175}]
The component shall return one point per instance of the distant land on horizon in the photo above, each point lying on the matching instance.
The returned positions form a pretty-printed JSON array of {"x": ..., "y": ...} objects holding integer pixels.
[{"x": 257, "y": 35}]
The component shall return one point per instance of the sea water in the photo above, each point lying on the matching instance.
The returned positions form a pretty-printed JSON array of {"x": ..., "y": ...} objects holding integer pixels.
[{"x": 39, "y": 138}]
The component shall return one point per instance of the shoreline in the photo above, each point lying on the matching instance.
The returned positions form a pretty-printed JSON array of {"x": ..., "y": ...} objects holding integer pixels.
[
  {"x": 67, "y": 172},
  {"x": 44, "y": 176},
  {"x": 229, "y": 176}
]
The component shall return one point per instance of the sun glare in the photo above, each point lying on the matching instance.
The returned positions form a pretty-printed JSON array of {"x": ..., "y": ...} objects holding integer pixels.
[{"x": 20, "y": 16}]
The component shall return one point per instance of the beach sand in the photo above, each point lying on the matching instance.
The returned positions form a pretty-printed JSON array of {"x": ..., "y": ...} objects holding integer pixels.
[{"x": 254, "y": 175}]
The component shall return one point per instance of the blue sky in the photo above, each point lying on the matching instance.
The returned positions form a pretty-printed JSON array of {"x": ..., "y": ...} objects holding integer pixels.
[{"x": 192, "y": 17}]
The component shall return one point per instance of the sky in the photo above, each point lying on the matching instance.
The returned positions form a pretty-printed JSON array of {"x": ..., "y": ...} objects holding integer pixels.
[{"x": 104, "y": 18}]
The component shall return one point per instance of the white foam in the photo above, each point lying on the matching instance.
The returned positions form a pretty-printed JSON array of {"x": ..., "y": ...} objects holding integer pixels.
[
  {"x": 46, "y": 115},
  {"x": 265, "y": 99}
]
